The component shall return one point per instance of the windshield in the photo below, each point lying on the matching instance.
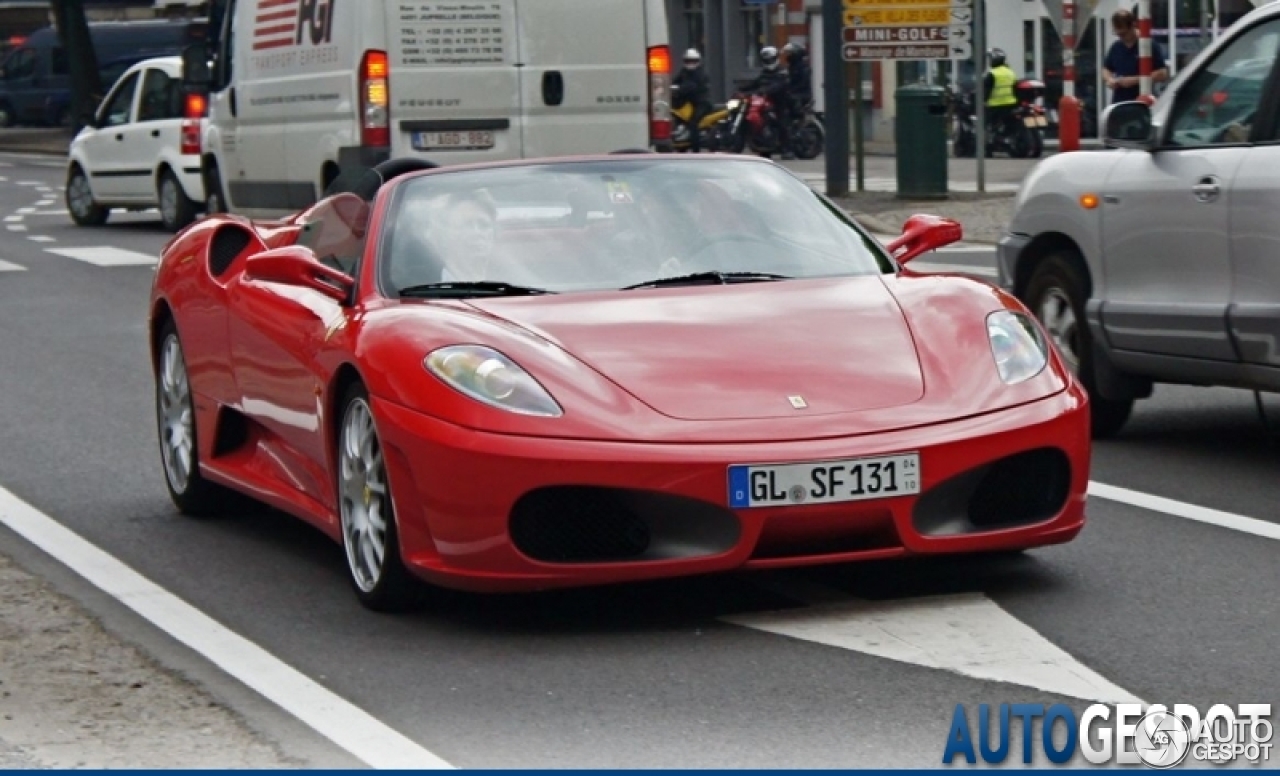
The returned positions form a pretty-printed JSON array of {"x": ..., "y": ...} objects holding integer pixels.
[{"x": 583, "y": 226}]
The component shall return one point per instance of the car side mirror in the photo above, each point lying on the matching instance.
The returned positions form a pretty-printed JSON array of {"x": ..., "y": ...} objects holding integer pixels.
[
  {"x": 297, "y": 266},
  {"x": 924, "y": 233},
  {"x": 197, "y": 76},
  {"x": 1128, "y": 125}
]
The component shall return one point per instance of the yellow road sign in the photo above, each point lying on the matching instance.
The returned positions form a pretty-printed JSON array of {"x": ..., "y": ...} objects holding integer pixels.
[
  {"x": 848, "y": 4},
  {"x": 897, "y": 17}
]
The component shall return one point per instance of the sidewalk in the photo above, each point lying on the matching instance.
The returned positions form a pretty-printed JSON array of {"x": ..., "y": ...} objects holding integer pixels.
[
  {"x": 984, "y": 217},
  {"x": 72, "y": 695},
  {"x": 51, "y": 142}
]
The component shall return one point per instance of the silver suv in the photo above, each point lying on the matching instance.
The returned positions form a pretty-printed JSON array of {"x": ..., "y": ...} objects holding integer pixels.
[{"x": 1159, "y": 262}]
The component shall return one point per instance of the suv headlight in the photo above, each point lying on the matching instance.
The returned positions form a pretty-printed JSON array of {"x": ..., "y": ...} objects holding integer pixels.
[
  {"x": 1020, "y": 351},
  {"x": 487, "y": 376}
]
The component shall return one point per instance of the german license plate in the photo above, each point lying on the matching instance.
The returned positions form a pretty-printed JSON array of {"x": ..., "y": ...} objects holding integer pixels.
[
  {"x": 823, "y": 482},
  {"x": 453, "y": 141}
]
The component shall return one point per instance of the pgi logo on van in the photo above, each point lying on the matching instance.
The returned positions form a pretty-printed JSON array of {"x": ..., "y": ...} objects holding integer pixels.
[{"x": 282, "y": 23}]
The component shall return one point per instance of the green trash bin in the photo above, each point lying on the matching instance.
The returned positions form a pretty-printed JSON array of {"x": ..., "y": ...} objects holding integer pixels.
[{"x": 920, "y": 133}]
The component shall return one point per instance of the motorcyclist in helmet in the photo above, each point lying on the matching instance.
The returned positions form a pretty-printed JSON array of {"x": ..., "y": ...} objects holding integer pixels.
[
  {"x": 998, "y": 89},
  {"x": 774, "y": 82},
  {"x": 693, "y": 87}
]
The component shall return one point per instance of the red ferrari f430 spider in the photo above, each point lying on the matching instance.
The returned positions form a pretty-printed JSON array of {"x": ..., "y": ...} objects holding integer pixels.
[{"x": 562, "y": 372}]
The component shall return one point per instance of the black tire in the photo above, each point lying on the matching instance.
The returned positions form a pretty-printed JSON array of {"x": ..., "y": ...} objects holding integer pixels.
[
  {"x": 192, "y": 494},
  {"x": 809, "y": 142},
  {"x": 84, "y": 210},
  {"x": 177, "y": 210},
  {"x": 1037, "y": 143},
  {"x": 215, "y": 200},
  {"x": 1022, "y": 144},
  {"x": 391, "y": 588},
  {"x": 1056, "y": 279}
]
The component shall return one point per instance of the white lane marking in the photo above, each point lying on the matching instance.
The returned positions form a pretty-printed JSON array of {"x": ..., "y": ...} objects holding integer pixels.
[
  {"x": 1182, "y": 509},
  {"x": 30, "y": 183},
  {"x": 2, "y": 178},
  {"x": 7, "y": 266},
  {"x": 26, "y": 211},
  {"x": 13, "y": 219},
  {"x": 106, "y": 256},
  {"x": 48, "y": 212},
  {"x": 16, "y": 228},
  {"x": 343, "y": 723},
  {"x": 966, "y": 634},
  {"x": 41, "y": 238},
  {"x": 963, "y": 269}
]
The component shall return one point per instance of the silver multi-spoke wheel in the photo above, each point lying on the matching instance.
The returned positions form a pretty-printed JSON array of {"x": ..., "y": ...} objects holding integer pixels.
[
  {"x": 80, "y": 197},
  {"x": 1059, "y": 319},
  {"x": 365, "y": 506},
  {"x": 177, "y": 422},
  {"x": 169, "y": 200}
]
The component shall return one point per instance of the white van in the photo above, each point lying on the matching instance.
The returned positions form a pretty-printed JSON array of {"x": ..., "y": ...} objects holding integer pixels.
[{"x": 301, "y": 89}]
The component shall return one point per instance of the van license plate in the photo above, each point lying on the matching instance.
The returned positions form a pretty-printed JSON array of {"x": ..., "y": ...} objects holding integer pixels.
[
  {"x": 823, "y": 482},
  {"x": 453, "y": 141}
]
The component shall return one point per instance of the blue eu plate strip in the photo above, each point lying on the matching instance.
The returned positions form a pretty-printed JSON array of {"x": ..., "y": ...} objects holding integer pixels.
[{"x": 739, "y": 487}]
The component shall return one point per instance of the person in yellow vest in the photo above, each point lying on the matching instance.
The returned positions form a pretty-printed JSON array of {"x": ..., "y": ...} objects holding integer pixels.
[{"x": 997, "y": 86}]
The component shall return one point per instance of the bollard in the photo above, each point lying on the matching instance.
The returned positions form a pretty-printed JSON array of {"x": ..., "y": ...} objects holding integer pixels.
[{"x": 1068, "y": 124}]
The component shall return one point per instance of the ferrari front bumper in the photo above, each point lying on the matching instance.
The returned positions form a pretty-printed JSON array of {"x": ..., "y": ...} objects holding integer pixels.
[{"x": 492, "y": 512}]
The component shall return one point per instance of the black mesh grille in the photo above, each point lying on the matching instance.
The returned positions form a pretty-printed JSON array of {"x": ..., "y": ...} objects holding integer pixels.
[
  {"x": 1023, "y": 488},
  {"x": 225, "y": 247},
  {"x": 577, "y": 525}
]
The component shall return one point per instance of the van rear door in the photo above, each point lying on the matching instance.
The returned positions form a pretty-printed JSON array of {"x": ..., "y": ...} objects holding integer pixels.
[
  {"x": 454, "y": 82},
  {"x": 584, "y": 82}
]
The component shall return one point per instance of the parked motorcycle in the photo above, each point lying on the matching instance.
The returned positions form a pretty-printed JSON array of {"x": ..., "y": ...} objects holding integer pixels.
[{"x": 1021, "y": 136}]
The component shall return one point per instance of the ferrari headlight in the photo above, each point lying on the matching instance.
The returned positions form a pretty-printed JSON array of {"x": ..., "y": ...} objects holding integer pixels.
[
  {"x": 1019, "y": 350},
  {"x": 487, "y": 376}
]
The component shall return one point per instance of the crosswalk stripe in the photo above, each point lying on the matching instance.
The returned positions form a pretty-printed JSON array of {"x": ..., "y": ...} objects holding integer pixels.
[
  {"x": 106, "y": 256},
  {"x": 41, "y": 238},
  {"x": 8, "y": 266}
]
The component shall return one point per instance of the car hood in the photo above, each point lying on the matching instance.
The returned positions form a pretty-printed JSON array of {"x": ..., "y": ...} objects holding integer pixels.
[{"x": 760, "y": 350}]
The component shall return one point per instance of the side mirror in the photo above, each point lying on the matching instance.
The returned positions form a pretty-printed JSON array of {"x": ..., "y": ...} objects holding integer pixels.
[
  {"x": 196, "y": 73},
  {"x": 1128, "y": 125},
  {"x": 921, "y": 234},
  {"x": 298, "y": 266}
]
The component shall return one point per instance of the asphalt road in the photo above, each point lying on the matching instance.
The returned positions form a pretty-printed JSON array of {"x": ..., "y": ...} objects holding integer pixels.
[{"x": 656, "y": 675}]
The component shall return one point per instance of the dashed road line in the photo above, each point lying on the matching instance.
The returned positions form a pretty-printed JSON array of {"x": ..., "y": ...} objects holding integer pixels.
[
  {"x": 41, "y": 238},
  {"x": 12, "y": 219},
  {"x": 106, "y": 256},
  {"x": 16, "y": 228},
  {"x": 31, "y": 183},
  {"x": 8, "y": 266},
  {"x": 335, "y": 718}
]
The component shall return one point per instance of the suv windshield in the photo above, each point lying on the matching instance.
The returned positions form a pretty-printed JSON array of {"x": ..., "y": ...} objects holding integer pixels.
[{"x": 581, "y": 226}]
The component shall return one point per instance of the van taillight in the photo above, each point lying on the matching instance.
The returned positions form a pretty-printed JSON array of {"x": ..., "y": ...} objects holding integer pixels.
[
  {"x": 375, "y": 100},
  {"x": 659, "y": 94}
]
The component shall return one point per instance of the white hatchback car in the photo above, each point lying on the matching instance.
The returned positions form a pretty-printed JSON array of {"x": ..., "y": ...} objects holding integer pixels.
[{"x": 141, "y": 151}]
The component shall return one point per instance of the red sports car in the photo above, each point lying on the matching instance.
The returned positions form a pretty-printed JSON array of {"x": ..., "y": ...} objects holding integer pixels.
[{"x": 579, "y": 371}]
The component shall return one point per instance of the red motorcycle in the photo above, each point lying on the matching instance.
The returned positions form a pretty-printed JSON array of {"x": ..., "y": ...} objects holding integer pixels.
[{"x": 753, "y": 122}]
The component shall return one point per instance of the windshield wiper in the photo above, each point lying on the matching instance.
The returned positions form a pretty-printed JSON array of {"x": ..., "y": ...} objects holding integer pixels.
[
  {"x": 709, "y": 278},
  {"x": 465, "y": 289}
]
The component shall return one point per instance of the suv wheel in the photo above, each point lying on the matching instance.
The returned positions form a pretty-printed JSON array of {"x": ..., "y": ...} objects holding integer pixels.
[{"x": 1056, "y": 294}]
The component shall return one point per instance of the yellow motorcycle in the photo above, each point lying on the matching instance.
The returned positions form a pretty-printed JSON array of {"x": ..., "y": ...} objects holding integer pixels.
[{"x": 708, "y": 128}]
